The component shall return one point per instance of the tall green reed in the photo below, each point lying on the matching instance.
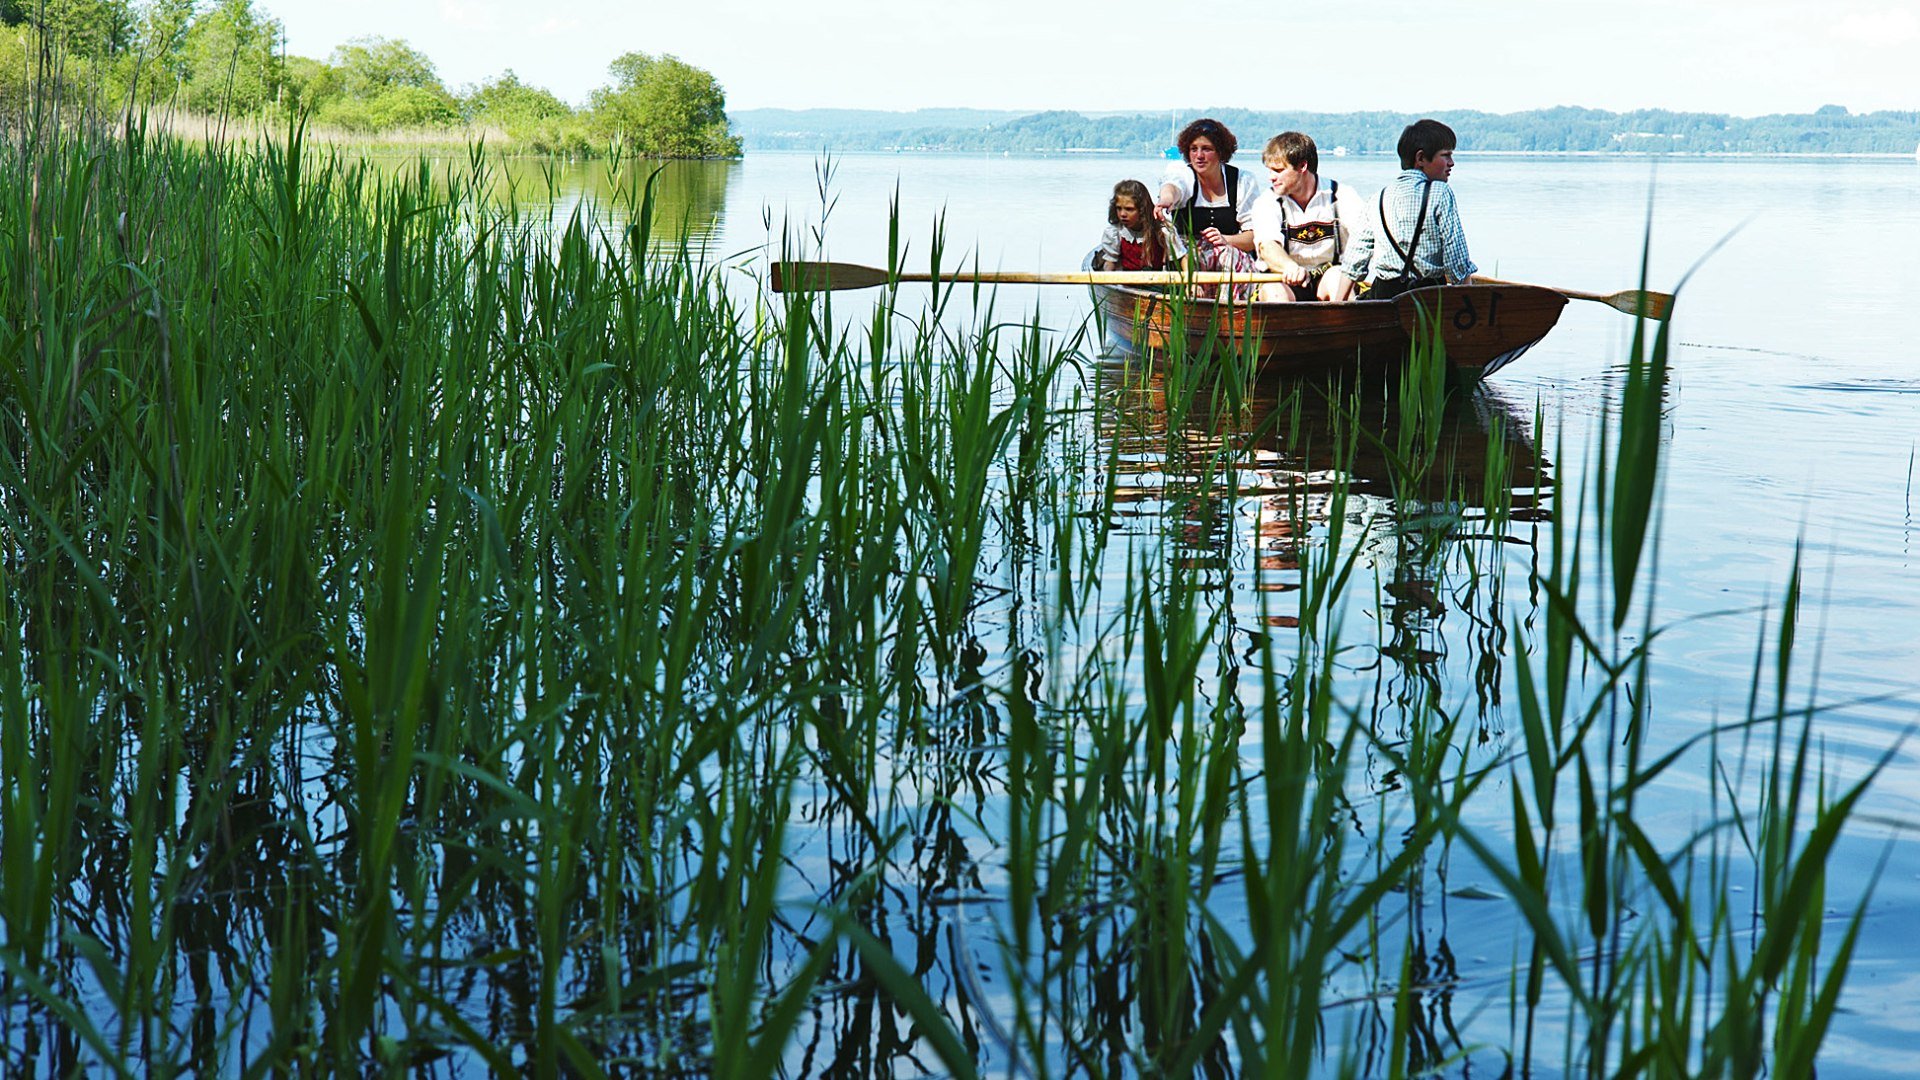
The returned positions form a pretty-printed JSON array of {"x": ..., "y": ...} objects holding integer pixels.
[{"x": 447, "y": 631}]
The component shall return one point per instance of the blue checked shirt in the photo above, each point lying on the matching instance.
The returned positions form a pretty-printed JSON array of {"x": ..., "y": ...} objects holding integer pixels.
[{"x": 1443, "y": 243}]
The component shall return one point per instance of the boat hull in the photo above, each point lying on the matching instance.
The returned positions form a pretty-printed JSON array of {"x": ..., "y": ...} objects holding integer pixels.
[{"x": 1482, "y": 327}]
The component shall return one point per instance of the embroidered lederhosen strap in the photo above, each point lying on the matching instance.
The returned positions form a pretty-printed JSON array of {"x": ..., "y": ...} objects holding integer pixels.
[
  {"x": 1408, "y": 267},
  {"x": 1333, "y": 200}
]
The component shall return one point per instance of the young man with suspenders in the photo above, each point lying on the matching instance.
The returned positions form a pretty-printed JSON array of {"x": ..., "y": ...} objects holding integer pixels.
[
  {"x": 1417, "y": 240},
  {"x": 1299, "y": 228}
]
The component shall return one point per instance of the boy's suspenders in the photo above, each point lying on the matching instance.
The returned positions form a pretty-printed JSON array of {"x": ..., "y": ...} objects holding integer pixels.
[
  {"x": 1409, "y": 269},
  {"x": 1333, "y": 200}
]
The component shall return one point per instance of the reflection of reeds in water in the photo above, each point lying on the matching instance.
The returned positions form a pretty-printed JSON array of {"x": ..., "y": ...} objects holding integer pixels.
[
  {"x": 437, "y": 645},
  {"x": 687, "y": 198}
]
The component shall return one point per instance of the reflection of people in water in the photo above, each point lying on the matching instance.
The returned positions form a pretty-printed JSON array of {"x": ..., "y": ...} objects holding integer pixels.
[{"x": 1292, "y": 463}]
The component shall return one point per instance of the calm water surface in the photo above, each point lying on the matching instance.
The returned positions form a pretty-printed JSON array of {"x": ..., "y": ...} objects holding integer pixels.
[{"x": 1792, "y": 420}]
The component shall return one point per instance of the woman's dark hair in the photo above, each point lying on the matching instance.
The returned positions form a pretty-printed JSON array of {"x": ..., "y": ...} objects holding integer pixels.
[
  {"x": 1213, "y": 131},
  {"x": 1155, "y": 241},
  {"x": 1427, "y": 137}
]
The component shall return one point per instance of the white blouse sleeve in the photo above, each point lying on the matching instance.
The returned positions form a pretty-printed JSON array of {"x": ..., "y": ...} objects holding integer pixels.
[
  {"x": 1180, "y": 176},
  {"x": 1263, "y": 220},
  {"x": 1251, "y": 185}
]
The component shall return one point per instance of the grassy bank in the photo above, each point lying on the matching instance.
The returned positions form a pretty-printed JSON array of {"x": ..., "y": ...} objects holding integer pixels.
[
  {"x": 439, "y": 637},
  {"x": 571, "y": 139},
  {"x": 201, "y": 128}
]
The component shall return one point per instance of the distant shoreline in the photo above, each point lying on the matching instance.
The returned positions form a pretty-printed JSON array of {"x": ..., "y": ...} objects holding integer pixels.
[
  {"x": 1828, "y": 131},
  {"x": 1690, "y": 155}
]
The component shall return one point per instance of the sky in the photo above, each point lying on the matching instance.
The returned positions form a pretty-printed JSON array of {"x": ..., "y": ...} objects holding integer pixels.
[{"x": 1744, "y": 57}]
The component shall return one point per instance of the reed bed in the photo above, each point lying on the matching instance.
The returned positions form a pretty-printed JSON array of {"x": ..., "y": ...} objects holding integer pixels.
[{"x": 444, "y": 638}]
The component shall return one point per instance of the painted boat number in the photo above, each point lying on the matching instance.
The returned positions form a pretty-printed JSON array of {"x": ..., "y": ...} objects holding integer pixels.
[{"x": 1468, "y": 316}]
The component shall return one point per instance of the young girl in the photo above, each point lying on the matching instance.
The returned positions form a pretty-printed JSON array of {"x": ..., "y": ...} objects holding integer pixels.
[{"x": 1133, "y": 240}]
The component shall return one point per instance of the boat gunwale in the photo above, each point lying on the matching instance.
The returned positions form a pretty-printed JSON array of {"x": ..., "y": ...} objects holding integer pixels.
[{"x": 1304, "y": 333}]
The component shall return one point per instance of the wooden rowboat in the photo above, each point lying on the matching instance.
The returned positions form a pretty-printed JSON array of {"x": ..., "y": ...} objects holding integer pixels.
[{"x": 1483, "y": 327}]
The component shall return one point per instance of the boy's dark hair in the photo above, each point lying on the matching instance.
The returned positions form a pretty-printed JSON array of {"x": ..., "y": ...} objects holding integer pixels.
[
  {"x": 1427, "y": 137},
  {"x": 1295, "y": 148},
  {"x": 1213, "y": 131}
]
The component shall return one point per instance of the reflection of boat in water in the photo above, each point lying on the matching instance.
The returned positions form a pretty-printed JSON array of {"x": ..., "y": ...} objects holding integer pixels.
[
  {"x": 1293, "y": 442},
  {"x": 1297, "y": 434},
  {"x": 1484, "y": 327}
]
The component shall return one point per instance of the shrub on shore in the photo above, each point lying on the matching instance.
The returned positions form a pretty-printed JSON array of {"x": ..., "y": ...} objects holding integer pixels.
[{"x": 225, "y": 62}]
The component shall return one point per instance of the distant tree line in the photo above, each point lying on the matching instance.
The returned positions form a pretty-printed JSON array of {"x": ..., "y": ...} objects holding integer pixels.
[
  {"x": 229, "y": 59},
  {"x": 1828, "y": 130}
]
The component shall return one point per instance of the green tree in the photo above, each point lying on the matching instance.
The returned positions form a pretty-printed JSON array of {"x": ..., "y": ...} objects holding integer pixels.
[
  {"x": 662, "y": 107},
  {"x": 385, "y": 83},
  {"x": 158, "y": 57},
  {"x": 163, "y": 32},
  {"x": 16, "y": 71},
  {"x": 413, "y": 106},
  {"x": 92, "y": 28},
  {"x": 231, "y": 59},
  {"x": 513, "y": 105},
  {"x": 370, "y": 66},
  {"x": 309, "y": 84}
]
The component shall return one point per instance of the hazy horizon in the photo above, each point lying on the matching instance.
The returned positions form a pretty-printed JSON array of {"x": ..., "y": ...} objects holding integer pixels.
[
  {"x": 1189, "y": 111},
  {"x": 1736, "y": 57}
]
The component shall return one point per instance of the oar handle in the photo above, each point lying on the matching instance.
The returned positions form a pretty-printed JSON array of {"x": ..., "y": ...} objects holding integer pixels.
[
  {"x": 1097, "y": 277},
  {"x": 795, "y": 276}
]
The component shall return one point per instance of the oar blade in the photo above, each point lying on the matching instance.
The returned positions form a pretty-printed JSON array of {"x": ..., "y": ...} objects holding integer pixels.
[
  {"x": 797, "y": 276},
  {"x": 1654, "y": 305}
]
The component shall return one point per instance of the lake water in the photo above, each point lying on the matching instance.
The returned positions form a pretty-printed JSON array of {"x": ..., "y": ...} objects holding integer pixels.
[
  {"x": 1794, "y": 408},
  {"x": 1792, "y": 422},
  {"x": 430, "y": 655},
  {"x": 1792, "y": 418}
]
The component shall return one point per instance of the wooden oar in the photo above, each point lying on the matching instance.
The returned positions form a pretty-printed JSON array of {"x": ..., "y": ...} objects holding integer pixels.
[
  {"x": 833, "y": 276},
  {"x": 1654, "y": 305}
]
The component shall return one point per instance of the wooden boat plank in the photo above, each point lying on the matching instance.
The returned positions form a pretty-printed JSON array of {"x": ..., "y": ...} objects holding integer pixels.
[{"x": 1483, "y": 327}]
